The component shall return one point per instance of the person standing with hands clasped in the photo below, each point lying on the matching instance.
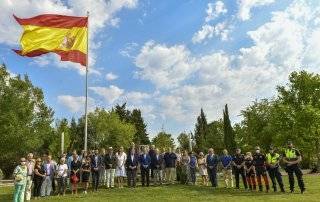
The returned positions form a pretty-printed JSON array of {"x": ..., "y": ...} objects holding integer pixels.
[
  {"x": 226, "y": 161},
  {"x": 238, "y": 164},
  {"x": 273, "y": 169},
  {"x": 292, "y": 158},
  {"x": 212, "y": 163},
  {"x": 259, "y": 161}
]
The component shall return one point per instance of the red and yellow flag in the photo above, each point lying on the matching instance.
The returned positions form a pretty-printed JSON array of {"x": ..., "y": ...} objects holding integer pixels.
[{"x": 63, "y": 35}]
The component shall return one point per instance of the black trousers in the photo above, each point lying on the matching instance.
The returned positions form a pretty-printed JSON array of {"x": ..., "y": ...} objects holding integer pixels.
[
  {"x": 275, "y": 177},
  {"x": 145, "y": 177},
  {"x": 131, "y": 175},
  {"x": 213, "y": 176},
  {"x": 37, "y": 187},
  {"x": 294, "y": 169},
  {"x": 237, "y": 173},
  {"x": 95, "y": 179}
]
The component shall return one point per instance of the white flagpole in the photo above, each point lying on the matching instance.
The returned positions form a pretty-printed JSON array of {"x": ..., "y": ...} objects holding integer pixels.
[
  {"x": 86, "y": 102},
  {"x": 62, "y": 143}
]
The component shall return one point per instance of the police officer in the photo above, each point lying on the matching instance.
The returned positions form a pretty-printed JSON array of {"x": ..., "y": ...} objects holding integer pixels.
[
  {"x": 259, "y": 162},
  {"x": 292, "y": 158},
  {"x": 273, "y": 169},
  {"x": 238, "y": 165}
]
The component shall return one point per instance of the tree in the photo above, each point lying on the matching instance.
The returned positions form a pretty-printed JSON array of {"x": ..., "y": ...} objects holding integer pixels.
[
  {"x": 62, "y": 126},
  {"x": 229, "y": 137},
  {"x": 106, "y": 129},
  {"x": 215, "y": 136},
  {"x": 25, "y": 119},
  {"x": 122, "y": 112},
  {"x": 141, "y": 136},
  {"x": 163, "y": 140},
  {"x": 184, "y": 141},
  {"x": 201, "y": 131}
]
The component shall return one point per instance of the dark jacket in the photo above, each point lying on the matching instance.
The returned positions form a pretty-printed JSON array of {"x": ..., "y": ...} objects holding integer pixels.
[
  {"x": 96, "y": 163},
  {"x": 131, "y": 163},
  {"x": 212, "y": 161},
  {"x": 158, "y": 162},
  {"x": 110, "y": 160},
  {"x": 145, "y": 162},
  {"x": 170, "y": 160}
]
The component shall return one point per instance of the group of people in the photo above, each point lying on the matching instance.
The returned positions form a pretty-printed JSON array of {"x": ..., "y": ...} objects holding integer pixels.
[{"x": 41, "y": 177}]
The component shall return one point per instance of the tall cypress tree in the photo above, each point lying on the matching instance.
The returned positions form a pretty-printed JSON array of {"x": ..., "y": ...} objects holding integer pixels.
[
  {"x": 229, "y": 136},
  {"x": 201, "y": 131},
  {"x": 141, "y": 136}
]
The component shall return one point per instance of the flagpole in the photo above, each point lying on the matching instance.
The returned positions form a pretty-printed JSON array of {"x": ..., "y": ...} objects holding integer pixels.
[{"x": 86, "y": 102}]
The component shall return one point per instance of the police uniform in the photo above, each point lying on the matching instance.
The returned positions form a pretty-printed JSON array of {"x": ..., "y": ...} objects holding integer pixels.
[
  {"x": 238, "y": 160},
  {"x": 293, "y": 155},
  {"x": 273, "y": 170},
  {"x": 259, "y": 161}
]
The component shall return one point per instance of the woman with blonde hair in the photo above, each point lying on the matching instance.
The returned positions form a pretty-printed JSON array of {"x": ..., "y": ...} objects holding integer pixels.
[{"x": 203, "y": 168}]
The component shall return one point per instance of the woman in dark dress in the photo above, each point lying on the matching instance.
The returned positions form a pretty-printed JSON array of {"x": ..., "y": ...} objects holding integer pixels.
[
  {"x": 75, "y": 173},
  {"x": 86, "y": 169},
  {"x": 38, "y": 177}
]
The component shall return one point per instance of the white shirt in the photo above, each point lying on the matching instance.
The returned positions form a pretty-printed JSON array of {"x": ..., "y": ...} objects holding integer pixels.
[{"x": 62, "y": 170}]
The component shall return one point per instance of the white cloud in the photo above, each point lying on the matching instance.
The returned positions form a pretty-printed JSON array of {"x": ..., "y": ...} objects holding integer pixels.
[
  {"x": 128, "y": 50},
  {"x": 215, "y": 10},
  {"x": 110, "y": 94},
  {"x": 288, "y": 42},
  {"x": 164, "y": 66},
  {"x": 76, "y": 104},
  {"x": 207, "y": 31},
  {"x": 136, "y": 97},
  {"x": 111, "y": 76},
  {"x": 245, "y": 7},
  {"x": 114, "y": 22}
]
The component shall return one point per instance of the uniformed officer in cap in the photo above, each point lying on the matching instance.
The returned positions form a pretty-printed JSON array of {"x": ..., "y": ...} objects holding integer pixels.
[
  {"x": 273, "y": 169},
  {"x": 292, "y": 158}
]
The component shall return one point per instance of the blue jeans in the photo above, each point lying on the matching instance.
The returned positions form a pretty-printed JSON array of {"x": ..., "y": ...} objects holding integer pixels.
[{"x": 19, "y": 190}]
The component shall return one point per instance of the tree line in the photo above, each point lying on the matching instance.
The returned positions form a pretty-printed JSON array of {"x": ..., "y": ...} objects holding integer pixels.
[{"x": 28, "y": 124}]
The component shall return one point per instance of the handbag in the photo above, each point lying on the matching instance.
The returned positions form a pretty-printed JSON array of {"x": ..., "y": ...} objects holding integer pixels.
[{"x": 74, "y": 178}]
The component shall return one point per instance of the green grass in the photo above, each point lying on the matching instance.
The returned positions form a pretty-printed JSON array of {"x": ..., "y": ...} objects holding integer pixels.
[{"x": 186, "y": 193}]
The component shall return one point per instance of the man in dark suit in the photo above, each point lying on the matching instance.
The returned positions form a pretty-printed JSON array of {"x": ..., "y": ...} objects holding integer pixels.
[
  {"x": 158, "y": 161},
  {"x": 152, "y": 154},
  {"x": 96, "y": 163},
  {"x": 145, "y": 162},
  {"x": 131, "y": 166},
  {"x": 110, "y": 162},
  {"x": 212, "y": 163}
]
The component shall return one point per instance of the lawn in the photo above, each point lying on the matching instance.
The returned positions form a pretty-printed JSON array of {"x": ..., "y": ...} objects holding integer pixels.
[{"x": 186, "y": 193}]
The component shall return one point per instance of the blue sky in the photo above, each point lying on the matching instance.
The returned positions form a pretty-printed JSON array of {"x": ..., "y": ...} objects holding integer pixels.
[{"x": 170, "y": 58}]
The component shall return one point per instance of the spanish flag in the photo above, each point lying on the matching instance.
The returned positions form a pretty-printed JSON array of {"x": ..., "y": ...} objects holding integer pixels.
[{"x": 63, "y": 35}]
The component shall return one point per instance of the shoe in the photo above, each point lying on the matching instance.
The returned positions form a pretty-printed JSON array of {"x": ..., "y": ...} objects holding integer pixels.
[{"x": 303, "y": 190}]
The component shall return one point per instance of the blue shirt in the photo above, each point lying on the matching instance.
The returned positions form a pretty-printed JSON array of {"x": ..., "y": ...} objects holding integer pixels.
[
  {"x": 193, "y": 162},
  {"x": 226, "y": 160}
]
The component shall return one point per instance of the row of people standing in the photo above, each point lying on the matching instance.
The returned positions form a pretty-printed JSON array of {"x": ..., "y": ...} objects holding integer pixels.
[{"x": 167, "y": 166}]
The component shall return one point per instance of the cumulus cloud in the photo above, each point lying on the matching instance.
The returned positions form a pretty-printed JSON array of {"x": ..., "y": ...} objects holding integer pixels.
[
  {"x": 164, "y": 66},
  {"x": 76, "y": 104},
  {"x": 208, "y": 30},
  {"x": 110, "y": 94},
  {"x": 111, "y": 76},
  {"x": 287, "y": 42},
  {"x": 245, "y": 7},
  {"x": 214, "y": 10}
]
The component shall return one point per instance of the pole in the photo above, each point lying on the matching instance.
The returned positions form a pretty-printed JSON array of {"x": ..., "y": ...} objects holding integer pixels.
[
  {"x": 86, "y": 102},
  {"x": 62, "y": 143}
]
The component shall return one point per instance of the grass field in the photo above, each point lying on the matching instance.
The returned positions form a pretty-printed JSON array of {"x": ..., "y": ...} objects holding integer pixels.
[{"x": 186, "y": 193}]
